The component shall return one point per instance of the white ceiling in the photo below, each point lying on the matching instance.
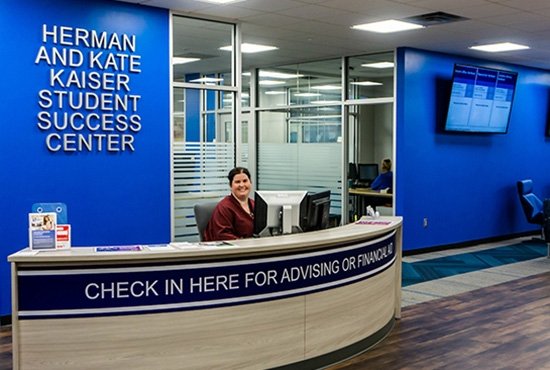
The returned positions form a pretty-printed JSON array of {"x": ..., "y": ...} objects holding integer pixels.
[{"x": 306, "y": 30}]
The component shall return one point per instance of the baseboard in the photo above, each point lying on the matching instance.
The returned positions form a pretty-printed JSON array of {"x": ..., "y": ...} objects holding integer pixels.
[
  {"x": 5, "y": 320},
  {"x": 468, "y": 243}
]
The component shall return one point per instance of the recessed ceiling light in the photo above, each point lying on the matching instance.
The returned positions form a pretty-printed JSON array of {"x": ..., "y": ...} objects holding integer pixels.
[
  {"x": 182, "y": 60},
  {"x": 367, "y": 83},
  {"x": 220, "y": 1},
  {"x": 271, "y": 82},
  {"x": 207, "y": 79},
  {"x": 275, "y": 92},
  {"x": 391, "y": 25},
  {"x": 378, "y": 65},
  {"x": 251, "y": 48},
  {"x": 327, "y": 87},
  {"x": 307, "y": 94},
  {"x": 498, "y": 47},
  {"x": 273, "y": 74},
  {"x": 325, "y": 101}
]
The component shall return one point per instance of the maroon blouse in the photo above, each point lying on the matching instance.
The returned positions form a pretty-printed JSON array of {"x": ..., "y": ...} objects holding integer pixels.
[{"x": 230, "y": 221}]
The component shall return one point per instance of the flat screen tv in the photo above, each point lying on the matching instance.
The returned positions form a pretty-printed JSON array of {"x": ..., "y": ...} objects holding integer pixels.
[{"x": 481, "y": 99}]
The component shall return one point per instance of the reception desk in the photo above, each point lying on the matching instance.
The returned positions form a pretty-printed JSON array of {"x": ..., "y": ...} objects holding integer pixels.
[{"x": 295, "y": 301}]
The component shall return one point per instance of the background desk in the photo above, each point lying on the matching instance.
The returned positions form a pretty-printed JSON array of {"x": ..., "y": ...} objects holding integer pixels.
[
  {"x": 363, "y": 197},
  {"x": 303, "y": 300}
]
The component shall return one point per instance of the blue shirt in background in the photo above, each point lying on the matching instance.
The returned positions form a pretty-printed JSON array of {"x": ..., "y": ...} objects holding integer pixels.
[{"x": 382, "y": 181}]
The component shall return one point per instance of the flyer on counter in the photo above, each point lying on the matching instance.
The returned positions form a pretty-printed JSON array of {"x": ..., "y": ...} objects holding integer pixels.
[
  {"x": 42, "y": 231},
  {"x": 63, "y": 238},
  {"x": 119, "y": 248}
]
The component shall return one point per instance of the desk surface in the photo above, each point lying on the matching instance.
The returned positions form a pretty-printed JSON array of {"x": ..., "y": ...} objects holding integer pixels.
[
  {"x": 242, "y": 247},
  {"x": 369, "y": 192}
]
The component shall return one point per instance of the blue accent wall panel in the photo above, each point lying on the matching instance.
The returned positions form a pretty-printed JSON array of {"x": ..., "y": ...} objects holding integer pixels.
[
  {"x": 464, "y": 184},
  {"x": 192, "y": 112},
  {"x": 116, "y": 194}
]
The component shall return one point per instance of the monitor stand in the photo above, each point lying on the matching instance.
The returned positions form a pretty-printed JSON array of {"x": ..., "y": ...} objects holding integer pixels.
[{"x": 287, "y": 220}]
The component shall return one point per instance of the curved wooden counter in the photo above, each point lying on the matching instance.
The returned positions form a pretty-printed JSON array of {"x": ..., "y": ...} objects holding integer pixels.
[{"x": 302, "y": 301}]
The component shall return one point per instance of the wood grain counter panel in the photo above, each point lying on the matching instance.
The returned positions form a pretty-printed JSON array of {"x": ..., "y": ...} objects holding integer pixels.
[
  {"x": 335, "y": 319},
  {"x": 251, "y": 336}
]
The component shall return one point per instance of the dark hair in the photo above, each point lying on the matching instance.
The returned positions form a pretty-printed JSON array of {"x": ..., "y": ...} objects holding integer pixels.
[{"x": 236, "y": 171}]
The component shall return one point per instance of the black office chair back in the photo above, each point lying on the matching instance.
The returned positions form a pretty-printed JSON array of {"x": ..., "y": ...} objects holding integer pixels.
[
  {"x": 203, "y": 213},
  {"x": 531, "y": 204},
  {"x": 352, "y": 171}
]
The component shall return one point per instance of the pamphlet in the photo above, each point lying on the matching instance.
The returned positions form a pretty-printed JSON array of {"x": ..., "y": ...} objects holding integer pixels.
[
  {"x": 372, "y": 222},
  {"x": 63, "y": 240},
  {"x": 215, "y": 244},
  {"x": 119, "y": 248},
  {"x": 42, "y": 231},
  {"x": 189, "y": 245}
]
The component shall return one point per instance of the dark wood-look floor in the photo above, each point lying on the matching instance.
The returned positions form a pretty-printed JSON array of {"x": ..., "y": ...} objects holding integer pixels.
[
  {"x": 506, "y": 326},
  {"x": 5, "y": 348}
]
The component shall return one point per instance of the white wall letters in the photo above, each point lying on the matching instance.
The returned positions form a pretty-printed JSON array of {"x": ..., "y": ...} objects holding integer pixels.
[{"x": 88, "y": 104}]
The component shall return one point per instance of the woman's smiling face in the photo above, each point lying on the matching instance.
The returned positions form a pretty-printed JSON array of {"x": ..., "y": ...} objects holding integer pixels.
[{"x": 240, "y": 186}]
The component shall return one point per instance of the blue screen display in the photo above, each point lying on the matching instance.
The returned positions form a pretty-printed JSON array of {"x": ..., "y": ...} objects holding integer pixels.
[{"x": 481, "y": 99}]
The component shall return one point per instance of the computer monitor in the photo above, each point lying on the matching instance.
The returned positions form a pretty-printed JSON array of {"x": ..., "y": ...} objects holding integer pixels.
[
  {"x": 278, "y": 212},
  {"x": 316, "y": 212},
  {"x": 367, "y": 172}
]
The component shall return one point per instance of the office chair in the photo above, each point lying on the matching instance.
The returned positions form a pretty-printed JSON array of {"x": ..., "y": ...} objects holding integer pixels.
[
  {"x": 352, "y": 171},
  {"x": 531, "y": 204},
  {"x": 203, "y": 212}
]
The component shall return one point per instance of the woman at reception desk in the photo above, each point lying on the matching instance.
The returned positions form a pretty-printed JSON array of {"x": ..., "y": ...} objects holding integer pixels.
[{"x": 300, "y": 301}]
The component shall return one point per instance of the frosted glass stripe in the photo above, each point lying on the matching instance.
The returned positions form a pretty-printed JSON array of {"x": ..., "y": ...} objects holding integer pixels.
[{"x": 200, "y": 175}]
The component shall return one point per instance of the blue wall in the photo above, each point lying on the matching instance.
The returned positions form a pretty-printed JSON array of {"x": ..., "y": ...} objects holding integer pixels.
[
  {"x": 465, "y": 184},
  {"x": 113, "y": 197}
]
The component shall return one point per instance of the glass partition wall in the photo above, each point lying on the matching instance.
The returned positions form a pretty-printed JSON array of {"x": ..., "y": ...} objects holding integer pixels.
[
  {"x": 299, "y": 129},
  {"x": 203, "y": 134},
  {"x": 306, "y": 120}
]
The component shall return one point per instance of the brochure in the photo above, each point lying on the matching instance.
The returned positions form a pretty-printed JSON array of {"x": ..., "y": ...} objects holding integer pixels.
[
  {"x": 63, "y": 240},
  {"x": 372, "y": 222},
  {"x": 119, "y": 248},
  {"x": 42, "y": 231}
]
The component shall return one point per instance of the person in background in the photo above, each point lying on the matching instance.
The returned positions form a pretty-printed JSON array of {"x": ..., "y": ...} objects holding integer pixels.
[
  {"x": 385, "y": 179},
  {"x": 233, "y": 217}
]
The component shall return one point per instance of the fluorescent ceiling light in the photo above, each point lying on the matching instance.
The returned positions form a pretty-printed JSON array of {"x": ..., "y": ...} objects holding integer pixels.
[
  {"x": 251, "y": 48},
  {"x": 391, "y": 25},
  {"x": 325, "y": 101},
  {"x": 275, "y": 92},
  {"x": 182, "y": 60},
  {"x": 271, "y": 82},
  {"x": 207, "y": 79},
  {"x": 220, "y": 1},
  {"x": 378, "y": 65},
  {"x": 367, "y": 83},
  {"x": 498, "y": 47},
  {"x": 273, "y": 74},
  {"x": 307, "y": 94},
  {"x": 327, "y": 87}
]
